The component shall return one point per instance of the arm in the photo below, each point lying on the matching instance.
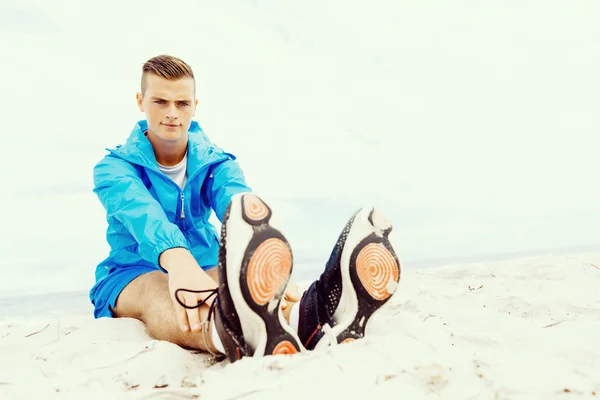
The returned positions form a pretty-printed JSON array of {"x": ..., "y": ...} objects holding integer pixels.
[
  {"x": 227, "y": 180},
  {"x": 125, "y": 197}
]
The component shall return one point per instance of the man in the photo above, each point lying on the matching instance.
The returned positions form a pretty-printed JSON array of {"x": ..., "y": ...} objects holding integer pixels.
[{"x": 229, "y": 295}]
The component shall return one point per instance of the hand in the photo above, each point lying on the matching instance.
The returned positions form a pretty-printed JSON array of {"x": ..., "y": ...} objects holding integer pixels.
[
  {"x": 292, "y": 295},
  {"x": 185, "y": 273}
]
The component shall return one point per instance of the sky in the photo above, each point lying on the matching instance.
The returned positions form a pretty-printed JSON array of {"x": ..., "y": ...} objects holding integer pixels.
[{"x": 472, "y": 125}]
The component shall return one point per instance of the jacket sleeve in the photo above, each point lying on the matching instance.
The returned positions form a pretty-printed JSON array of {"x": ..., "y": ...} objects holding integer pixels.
[
  {"x": 126, "y": 198},
  {"x": 227, "y": 180}
]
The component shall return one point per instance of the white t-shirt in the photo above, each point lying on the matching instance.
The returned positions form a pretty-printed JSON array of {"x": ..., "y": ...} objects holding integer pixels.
[{"x": 177, "y": 173}]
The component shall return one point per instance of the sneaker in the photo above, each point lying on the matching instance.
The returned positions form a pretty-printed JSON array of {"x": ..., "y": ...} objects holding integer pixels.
[
  {"x": 361, "y": 275},
  {"x": 255, "y": 265}
]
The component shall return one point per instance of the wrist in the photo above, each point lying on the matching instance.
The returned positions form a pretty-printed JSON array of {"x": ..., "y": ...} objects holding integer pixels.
[{"x": 174, "y": 258}]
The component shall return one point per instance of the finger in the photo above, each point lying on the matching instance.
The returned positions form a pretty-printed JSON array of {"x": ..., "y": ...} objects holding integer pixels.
[
  {"x": 193, "y": 315},
  {"x": 284, "y": 304},
  {"x": 181, "y": 316}
]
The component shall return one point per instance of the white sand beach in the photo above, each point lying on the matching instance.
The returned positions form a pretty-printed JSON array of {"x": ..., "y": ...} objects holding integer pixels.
[{"x": 518, "y": 329}]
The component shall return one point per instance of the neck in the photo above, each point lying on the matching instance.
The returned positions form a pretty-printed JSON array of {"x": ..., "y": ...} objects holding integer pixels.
[{"x": 166, "y": 153}]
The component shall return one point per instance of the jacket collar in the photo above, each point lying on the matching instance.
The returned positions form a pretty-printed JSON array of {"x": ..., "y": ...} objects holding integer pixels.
[{"x": 138, "y": 148}]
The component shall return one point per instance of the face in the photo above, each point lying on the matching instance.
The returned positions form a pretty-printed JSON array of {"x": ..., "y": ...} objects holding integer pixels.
[{"x": 169, "y": 106}]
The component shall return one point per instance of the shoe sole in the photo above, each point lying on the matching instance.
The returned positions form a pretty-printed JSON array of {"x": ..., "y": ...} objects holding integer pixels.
[
  {"x": 370, "y": 274},
  {"x": 259, "y": 264}
]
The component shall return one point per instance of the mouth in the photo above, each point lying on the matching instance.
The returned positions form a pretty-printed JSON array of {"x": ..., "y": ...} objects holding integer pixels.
[{"x": 171, "y": 125}]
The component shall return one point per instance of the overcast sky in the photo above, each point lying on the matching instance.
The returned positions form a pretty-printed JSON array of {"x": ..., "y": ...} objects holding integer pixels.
[{"x": 473, "y": 125}]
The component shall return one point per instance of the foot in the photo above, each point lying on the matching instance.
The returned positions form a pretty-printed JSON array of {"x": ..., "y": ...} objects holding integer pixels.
[
  {"x": 255, "y": 265},
  {"x": 361, "y": 275}
]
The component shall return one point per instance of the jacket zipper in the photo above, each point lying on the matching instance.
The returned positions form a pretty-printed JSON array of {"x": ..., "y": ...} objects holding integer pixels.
[
  {"x": 181, "y": 195},
  {"x": 182, "y": 215}
]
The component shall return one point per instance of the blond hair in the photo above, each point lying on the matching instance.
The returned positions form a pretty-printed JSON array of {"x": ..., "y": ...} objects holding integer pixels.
[{"x": 167, "y": 67}]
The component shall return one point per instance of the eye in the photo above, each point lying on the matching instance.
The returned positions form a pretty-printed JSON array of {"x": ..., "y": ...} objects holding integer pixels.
[
  {"x": 183, "y": 103},
  {"x": 159, "y": 101}
]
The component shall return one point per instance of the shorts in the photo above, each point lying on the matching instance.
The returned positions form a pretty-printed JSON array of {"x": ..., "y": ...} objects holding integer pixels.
[{"x": 105, "y": 292}]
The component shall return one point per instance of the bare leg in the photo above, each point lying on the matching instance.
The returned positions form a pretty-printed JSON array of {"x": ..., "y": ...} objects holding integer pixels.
[{"x": 147, "y": 299}]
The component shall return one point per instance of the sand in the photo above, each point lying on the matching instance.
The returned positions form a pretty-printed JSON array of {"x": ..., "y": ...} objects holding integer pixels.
[{"x": 515, "y": 329}]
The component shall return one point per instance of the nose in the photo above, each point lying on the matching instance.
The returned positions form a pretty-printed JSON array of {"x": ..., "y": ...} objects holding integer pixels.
[{"x": 172, "y": 112}]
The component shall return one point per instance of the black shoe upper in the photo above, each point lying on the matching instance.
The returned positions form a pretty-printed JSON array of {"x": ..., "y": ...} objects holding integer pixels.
[{"x": 319, "y": 302}]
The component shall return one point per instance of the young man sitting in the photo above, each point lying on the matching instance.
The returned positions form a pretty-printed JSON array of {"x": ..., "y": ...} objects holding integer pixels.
[{"x": 229, "y": 293}]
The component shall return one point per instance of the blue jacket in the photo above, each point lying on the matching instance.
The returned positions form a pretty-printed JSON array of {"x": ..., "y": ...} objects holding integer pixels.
[{"x": 148, "y": 213}]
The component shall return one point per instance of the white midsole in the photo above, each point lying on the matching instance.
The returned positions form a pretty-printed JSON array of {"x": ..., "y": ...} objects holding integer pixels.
[{"x": 239, "y": 234}]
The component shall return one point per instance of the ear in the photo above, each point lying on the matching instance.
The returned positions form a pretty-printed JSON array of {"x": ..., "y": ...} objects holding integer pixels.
[
  {"x": 195, "y": 107},
  {"x": 140, "y": 101}
]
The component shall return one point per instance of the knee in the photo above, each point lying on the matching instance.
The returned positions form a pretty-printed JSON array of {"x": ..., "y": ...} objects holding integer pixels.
[
  {"x": 155, "y": 281},
  {"x": 141, "y": 294},
  {"x": 155, "y": 297}
]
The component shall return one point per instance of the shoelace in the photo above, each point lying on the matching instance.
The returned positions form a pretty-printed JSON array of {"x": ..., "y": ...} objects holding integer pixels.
[
  {"x": 328, "y": 332},
  {"x": 206, "y": 323}
]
